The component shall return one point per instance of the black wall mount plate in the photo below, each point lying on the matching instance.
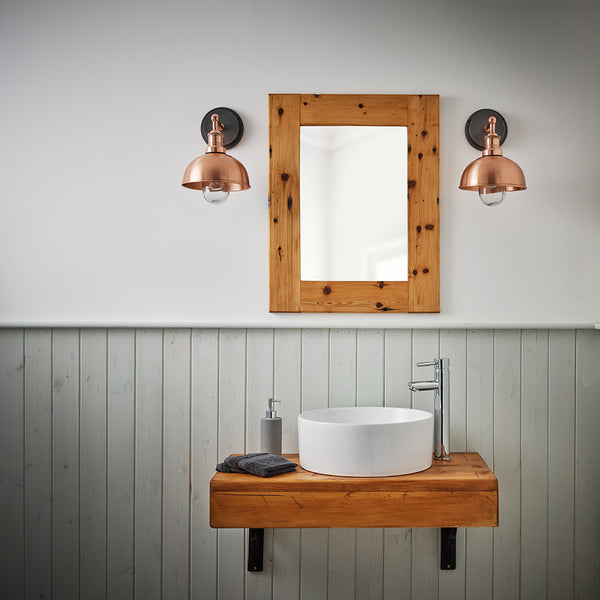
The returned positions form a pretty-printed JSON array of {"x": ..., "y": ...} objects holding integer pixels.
[
  {"x": 474, "y": 127},
  {"x": 232, "y": 123}
]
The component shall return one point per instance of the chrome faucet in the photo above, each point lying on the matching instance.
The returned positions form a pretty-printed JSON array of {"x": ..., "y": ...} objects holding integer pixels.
[{"x": 441, "y": 404}]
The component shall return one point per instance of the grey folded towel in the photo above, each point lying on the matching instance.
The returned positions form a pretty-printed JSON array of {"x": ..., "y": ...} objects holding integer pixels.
[
  {"x": 230, "y": 465},
  {"x": 258, "y": 463}
]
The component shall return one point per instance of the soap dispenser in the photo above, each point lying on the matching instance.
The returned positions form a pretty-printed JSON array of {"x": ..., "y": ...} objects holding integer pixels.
[{"x": 270, "y": 430}]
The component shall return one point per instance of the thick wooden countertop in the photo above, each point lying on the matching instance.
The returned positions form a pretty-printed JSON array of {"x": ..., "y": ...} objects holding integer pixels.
[{"x": 461, "y": 492}]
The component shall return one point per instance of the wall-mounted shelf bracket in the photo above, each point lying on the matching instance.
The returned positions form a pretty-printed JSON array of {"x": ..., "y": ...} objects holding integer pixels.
[
  {"x": 448, "y": 549},
  {"x": 256, "y": 543}
]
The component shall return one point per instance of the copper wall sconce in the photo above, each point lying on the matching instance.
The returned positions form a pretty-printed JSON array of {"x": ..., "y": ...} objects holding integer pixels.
[
  {"x": 215, "y": 172},
  {"x": 492, "y": 175}
]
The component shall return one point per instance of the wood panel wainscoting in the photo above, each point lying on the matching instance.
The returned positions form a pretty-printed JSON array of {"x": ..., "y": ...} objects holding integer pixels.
[{"x": 109, "y": 439}]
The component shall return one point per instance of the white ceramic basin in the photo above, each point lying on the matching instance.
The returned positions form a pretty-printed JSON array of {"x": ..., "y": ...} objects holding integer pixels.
[{"x": 365, "y": 441}]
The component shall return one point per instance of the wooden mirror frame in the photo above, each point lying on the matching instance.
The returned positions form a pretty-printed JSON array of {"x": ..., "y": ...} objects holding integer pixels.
[{"x": 420, "y": 114}]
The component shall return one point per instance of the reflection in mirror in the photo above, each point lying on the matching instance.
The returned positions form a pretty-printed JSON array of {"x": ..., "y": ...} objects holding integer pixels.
[{"x": 353, "y": 203}]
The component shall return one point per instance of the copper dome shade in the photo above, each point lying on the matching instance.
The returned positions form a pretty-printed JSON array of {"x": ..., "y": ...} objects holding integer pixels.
[
  {"x": 216, "y": 166},
  {"x": 493, "y": 171}
]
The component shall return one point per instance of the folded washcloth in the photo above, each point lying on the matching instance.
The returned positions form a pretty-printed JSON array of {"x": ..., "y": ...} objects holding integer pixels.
[
  {"x": 230, "y": 465},
  {"x": 265, "y": 465},
  {"x": 258, "y": 463}
]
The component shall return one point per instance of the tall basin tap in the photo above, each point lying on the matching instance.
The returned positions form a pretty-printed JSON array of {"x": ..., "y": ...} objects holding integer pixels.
[{"x": 441, "y": 403}]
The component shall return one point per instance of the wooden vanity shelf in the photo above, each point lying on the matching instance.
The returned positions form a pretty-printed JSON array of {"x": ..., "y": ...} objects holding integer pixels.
[{"x": 461, "y": 492}]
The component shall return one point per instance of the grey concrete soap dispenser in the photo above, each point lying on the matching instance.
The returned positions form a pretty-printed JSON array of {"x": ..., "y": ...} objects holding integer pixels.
[{"x": 270, "y": 430}]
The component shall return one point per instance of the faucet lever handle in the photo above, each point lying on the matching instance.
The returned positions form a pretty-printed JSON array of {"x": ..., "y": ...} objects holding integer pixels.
[{"x": 429, "y": 363}]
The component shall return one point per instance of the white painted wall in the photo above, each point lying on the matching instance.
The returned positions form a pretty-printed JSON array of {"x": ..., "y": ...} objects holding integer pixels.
[{"x": 100, "y": 113}]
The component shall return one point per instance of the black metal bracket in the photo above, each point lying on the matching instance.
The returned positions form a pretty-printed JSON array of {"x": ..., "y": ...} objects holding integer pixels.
[
  {"x": 233, "y": 126},
  {"x": 448, "y": 549},
  {"x": 256, "y": 544},
  {"x": 476, "y": 123}
]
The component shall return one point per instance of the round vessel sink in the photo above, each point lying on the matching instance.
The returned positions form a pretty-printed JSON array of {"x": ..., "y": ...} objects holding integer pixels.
[{"x": 371, "y": 441}]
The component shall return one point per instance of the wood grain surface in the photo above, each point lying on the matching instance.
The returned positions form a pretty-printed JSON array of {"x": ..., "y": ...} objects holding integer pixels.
[{"x": 462, "y": 492}]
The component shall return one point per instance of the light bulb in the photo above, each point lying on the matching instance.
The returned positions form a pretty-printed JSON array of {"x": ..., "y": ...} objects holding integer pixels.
[
  {"x": 492, "y": 195},
  {"x": 214, "y": 192}
]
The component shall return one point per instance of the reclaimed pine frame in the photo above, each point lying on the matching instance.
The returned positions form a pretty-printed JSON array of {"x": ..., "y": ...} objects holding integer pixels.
[{"x": 420, "y": 114}]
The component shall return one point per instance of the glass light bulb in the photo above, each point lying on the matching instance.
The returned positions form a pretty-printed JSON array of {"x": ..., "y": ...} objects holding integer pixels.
[
  {"x": 214, "y": 192},
  {"x": 492, "y": 195}
]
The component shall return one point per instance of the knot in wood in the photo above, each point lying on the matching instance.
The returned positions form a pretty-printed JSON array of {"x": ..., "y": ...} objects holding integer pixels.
[
  {"x": 284, "y": 176},
  {"x": 327, "y": 290}
]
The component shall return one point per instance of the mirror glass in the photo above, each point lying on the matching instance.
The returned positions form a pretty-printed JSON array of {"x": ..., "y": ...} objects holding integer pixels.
[{"x": 353, "y": 203}]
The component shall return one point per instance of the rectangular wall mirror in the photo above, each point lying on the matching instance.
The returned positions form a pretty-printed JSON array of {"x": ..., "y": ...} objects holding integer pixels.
[{"x": 353, "y": 197}]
